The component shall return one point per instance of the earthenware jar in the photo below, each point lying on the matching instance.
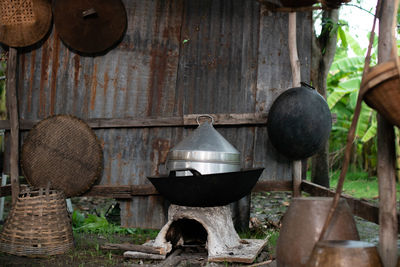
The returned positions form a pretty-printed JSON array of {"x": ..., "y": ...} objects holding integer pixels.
[
  {"x": 344, "y": 253},
  {"x": 302, "y": 225}
]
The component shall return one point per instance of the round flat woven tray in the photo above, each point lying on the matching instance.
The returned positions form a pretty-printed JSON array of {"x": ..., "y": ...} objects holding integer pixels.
[{"x": 64, "y": 151}]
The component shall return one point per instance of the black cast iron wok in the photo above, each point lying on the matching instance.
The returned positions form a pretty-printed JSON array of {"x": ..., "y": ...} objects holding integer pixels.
[{"x": 206, "y": 190}]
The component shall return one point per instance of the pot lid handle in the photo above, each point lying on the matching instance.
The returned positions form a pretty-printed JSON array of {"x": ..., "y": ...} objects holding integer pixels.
[
  {"x": 307, "y": 85},
  {"x": 194, "y": 172},
  {"x": 205, "y": 116}
]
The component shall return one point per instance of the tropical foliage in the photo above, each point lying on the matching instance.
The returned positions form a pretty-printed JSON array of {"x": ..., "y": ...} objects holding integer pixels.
[{"x": 344, "y": 82}]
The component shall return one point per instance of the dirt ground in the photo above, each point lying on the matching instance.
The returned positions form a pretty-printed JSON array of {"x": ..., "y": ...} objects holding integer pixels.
[
  {"x": 266, "y": 212},
  {"x": 88, "y": 252}
]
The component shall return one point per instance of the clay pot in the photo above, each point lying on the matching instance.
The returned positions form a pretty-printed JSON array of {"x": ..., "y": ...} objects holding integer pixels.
[
  {"x": 344, "y": 253},
  {"x": 302, "y": 225}
]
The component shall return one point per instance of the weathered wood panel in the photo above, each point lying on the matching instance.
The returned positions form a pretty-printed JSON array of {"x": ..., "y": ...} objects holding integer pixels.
[{"x": 177, "y": 57}]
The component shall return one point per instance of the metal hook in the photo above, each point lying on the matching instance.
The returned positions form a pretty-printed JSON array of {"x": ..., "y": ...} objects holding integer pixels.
[{"x": 205, "y": 116}]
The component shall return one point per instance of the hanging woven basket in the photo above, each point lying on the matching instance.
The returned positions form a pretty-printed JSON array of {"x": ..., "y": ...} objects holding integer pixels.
[
  {"x": 381, "y": 88},
  {"x": 38, "y": 225},
  {"x": 333, "y": 4},
  {"x": 24, "y": 22},
  {"x": 298, "y": 3}
]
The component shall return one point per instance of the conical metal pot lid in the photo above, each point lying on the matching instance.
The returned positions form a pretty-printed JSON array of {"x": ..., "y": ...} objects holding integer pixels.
[{"x": 205, "y": 143}]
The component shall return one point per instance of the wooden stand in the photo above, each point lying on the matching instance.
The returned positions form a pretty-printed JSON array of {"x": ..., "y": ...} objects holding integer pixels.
[
  {"x": 386, "y": 152},
  {"x": 12, "y": 107},
  {"x": 296, "y": 79}
]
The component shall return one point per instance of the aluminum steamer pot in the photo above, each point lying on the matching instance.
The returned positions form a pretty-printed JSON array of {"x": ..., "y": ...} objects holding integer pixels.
[{"x": 204, "y": 150}]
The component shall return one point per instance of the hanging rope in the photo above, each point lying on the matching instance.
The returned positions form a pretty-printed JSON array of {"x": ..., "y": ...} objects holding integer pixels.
[{"x": 351, "y": 133}]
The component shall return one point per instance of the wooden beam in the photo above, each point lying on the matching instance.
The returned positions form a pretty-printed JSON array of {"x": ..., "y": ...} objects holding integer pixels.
[
  {"x": 268, "y": 186},
  {"x": 386, "y": 147},
  {"x": 129, "y": 191},
  {"x": 138, "y": 248},
  {"x": 230, "y": 119},
  {"x": 174, "y": 121},
  {"x": 110, "y": 191},
  {"x": 121, "y": 191},
  {"x": 359, "y": 208},
  {"x": 135, "y": 122},
  {"x": 12, "y": 108}
]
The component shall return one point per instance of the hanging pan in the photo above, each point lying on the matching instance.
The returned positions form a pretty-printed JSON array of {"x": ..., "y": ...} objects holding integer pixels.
[
  {"x": 90, "y": 26},
  {"x": 24, "y": 22},
  {"x": 299, "y": 122}
]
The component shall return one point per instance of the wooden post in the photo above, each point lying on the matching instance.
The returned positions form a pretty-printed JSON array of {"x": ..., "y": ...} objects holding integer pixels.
[
  {"x": 386, "y": 147},
  {"x": 12, "y": 108},
  {"x": 296, "y": 78}
]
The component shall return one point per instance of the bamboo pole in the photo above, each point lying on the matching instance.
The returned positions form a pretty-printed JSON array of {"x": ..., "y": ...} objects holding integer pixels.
[
  {"x": 296, "y": 78},
  {"x": 386, "y": 147},
  {"x": 12, "y": 109}
]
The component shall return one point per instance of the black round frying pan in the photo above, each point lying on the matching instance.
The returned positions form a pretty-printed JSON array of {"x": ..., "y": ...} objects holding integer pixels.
[{"x": 206, "y": 190}]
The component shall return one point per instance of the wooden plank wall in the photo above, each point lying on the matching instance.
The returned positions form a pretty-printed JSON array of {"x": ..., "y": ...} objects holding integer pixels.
[{"x": 177, "y": 57}]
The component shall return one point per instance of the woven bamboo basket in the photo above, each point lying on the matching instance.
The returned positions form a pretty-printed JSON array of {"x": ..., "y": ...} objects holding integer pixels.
[
  {"x": 381, "y": 89},
  {"x": 332, "y": 4},
  {"x": 38, "y": 225},
  {"x": 298, "y": 3}
]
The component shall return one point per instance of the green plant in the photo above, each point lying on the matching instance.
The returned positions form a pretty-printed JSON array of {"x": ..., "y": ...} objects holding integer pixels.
[
  {"x": 272, "y": 237},
  {"x": 358, "y": 184},
  {"x": 344, "y": 81},
  {"x": 258, "y": 233},
  {"x": 99, "y": 225}
]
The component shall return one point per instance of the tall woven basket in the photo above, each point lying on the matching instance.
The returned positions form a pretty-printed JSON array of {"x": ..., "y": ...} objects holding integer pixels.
[{"x": 38, "y": 225}]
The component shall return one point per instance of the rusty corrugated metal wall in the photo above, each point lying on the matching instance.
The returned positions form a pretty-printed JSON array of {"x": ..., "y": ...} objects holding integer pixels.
[{"x": 177, "y": 57}]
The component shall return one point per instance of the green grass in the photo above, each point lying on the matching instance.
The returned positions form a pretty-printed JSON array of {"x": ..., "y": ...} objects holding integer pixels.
[{"x": 359, "y": 185}]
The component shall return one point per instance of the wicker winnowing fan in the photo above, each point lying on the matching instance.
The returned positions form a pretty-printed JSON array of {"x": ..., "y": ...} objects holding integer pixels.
[{"x": 64, "y": 151}]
